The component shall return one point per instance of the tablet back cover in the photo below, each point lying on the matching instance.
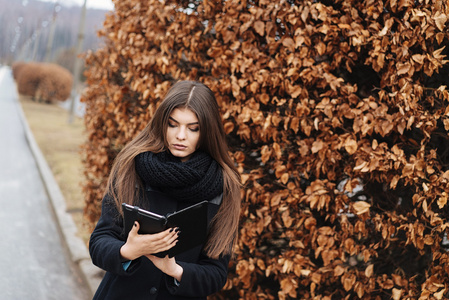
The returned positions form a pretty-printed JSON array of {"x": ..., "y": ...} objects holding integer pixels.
[{"x": 192, "y": 222}]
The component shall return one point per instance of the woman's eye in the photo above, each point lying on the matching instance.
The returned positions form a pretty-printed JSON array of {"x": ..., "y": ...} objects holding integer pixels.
[
  {"x": 195, "y": 129},
  {"x": 171, "y": 125}
]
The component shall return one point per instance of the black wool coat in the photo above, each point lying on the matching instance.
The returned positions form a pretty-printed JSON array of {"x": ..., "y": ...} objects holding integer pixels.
[{"x": 202, "y": 276}]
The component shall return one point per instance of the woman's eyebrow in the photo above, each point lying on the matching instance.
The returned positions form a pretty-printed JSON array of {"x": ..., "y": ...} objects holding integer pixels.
[{"x": 194, "y": 123}]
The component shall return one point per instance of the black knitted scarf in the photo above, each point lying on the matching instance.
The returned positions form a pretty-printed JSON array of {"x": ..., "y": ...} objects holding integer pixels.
[{"x": 199, "y": 178}]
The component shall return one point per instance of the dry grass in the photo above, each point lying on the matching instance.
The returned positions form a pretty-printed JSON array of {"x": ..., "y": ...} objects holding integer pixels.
[{"x": 60, "y": 144}]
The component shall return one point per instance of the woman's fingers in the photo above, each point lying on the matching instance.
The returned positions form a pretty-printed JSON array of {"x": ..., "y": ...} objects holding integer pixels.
[
  {"x": 135, "y": 229},
  {"x": 171, "y": 240},
  {"x": 143, "y": 244},
  {"x": 158, "y": 242},
  {"x": 166, "y": 236},
  {"x": 165, "y": 246}
]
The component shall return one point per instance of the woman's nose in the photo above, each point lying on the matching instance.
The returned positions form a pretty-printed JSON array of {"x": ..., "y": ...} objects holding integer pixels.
[{"x": 181, "y": 134}]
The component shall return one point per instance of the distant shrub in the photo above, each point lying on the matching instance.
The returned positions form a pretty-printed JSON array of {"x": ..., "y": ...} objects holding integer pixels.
[
  {"x": 27, "y": 77},
  {"x": 43, "y": 81},
  {"x": 16, "y": 67},
  {"x": 56, "y": 84}
]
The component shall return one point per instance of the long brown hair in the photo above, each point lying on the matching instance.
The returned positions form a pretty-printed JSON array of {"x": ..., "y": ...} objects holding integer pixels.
[{"x": 200, "y": 99}]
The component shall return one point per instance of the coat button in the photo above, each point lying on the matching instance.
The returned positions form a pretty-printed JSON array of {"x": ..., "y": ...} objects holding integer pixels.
[{"x": 153, "y": 290}]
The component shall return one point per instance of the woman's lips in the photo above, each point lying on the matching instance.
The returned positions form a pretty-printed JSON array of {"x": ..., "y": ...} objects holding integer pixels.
[{"x": 179, "y": 147}]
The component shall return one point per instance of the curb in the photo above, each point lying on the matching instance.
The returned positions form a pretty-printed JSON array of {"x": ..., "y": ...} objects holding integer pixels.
[{"x": 77, "y": 250}]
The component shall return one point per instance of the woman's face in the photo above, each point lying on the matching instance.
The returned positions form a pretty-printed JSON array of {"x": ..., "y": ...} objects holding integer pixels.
[{"x": 183, "y": 133}]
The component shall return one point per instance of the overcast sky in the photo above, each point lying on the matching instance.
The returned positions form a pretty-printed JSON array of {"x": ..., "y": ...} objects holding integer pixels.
[{"x": 103, "y": 4}]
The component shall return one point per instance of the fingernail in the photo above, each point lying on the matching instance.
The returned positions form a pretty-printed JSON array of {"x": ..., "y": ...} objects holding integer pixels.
[
  {"x": 177, "y": 229},
  {"x": 171, "y": 229},
  {"x": 135, "y": 224},
  {"x": 179, "y": 232}
]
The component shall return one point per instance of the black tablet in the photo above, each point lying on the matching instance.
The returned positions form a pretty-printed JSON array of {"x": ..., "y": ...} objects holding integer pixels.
[{"x": 191, "y": 221}]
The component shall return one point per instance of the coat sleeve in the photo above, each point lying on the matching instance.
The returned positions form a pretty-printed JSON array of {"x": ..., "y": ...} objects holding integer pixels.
[
  {"x": 201, "y": 279},
  {"x": 107, "y": 239}
]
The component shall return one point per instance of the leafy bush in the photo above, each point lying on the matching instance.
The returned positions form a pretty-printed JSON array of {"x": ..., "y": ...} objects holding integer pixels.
[
  {"x": 337, "y": 115},
  {"x": 27, "y": 76},
  {"x": 43, "y": 81},
  {"x": 16, "y": 66}
]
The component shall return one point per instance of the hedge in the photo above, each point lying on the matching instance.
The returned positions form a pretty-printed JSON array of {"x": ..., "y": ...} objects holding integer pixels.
[{"x": 336, "y": 114}]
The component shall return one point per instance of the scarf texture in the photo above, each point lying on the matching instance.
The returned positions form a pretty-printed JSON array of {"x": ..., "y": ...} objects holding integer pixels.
[{"x": 199, "y": 178}]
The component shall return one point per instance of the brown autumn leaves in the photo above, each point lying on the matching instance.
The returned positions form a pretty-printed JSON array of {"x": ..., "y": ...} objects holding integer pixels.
[{"x": 337, "y": 116}]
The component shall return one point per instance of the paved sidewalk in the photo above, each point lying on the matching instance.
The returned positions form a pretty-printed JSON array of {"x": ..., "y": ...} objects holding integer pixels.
[{"x": 41, "y": 257}]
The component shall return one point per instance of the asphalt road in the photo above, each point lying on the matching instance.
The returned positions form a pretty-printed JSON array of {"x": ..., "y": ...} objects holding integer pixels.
[{"x": 34, "y": 263}]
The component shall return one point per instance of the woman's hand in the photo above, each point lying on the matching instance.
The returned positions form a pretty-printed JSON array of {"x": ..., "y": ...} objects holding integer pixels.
[
  {"x": 168, "y": 266},
  {"x": 138, "y": 245}
]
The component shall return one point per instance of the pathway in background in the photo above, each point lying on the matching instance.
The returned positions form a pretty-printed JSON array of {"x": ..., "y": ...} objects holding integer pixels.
[{"x": 33, "y": 261}]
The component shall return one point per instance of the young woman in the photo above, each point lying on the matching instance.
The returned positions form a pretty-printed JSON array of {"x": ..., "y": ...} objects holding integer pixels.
[{"x": 182, "y": 153}]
